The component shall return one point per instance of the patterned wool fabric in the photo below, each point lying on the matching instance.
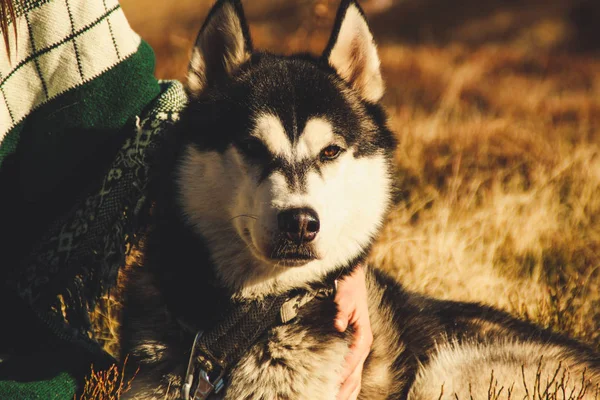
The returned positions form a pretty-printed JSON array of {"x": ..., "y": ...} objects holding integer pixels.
[{"x": 80, "y": 116}]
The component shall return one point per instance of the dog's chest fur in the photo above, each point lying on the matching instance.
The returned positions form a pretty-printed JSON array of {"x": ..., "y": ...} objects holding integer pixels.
[
  {"x": 300, "y": 359},
  {"x": 292, "y": 362}
]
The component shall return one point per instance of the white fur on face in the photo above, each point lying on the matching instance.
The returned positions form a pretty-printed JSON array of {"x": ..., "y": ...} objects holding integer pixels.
[
  {"x": 237, "y": 214},
  {"x": 349, "y": 196},
  {"x": 209, "y": 185},
  {"x": 269, "y": 130},
  {"x": 317, "y": 135}
]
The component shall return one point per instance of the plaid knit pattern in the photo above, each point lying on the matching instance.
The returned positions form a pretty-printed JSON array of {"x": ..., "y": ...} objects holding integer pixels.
[{"x": 48, "y": 58}]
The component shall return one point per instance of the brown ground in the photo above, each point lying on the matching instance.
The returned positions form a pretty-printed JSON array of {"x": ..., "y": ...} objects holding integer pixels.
[{"x": 496, "y": 105}]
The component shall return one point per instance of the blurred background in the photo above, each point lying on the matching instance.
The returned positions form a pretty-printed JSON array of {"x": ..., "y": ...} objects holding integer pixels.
[
  {"x": 286, "y": 26},
  {"x": 496, "y": 105}
]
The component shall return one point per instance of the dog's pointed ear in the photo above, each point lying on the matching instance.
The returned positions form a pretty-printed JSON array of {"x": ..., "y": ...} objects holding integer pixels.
[
  {"x": 352, "y": 52},
  {"x": 222, "y": 45}
]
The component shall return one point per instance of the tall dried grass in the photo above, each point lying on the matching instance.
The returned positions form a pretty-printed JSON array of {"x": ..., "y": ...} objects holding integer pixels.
[
  {"x": 499, "y": 170},
  {"x": 108, "y": 384}
]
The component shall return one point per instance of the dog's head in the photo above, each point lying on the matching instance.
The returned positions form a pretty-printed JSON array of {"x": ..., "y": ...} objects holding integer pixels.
[{"x": 286, "y": 168}]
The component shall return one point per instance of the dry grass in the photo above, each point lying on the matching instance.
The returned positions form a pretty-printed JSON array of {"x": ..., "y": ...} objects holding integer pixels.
[
  {"x": 106, "y": 385},
  {"x": 556, "y": 384},
  {"x": 555, "y": 390},
  {"x": 499, "y": 170},
  {"x": 497, "y": 110}
]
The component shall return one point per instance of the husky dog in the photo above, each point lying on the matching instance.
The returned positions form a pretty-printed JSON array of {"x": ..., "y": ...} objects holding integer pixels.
[{"x": 277, "y": 182}]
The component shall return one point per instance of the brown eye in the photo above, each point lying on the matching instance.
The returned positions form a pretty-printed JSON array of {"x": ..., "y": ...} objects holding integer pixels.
[{"x": 330, "y": 152}]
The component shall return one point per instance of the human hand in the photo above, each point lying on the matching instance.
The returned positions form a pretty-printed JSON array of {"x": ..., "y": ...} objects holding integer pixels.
[{"x": 351, "y": 300}]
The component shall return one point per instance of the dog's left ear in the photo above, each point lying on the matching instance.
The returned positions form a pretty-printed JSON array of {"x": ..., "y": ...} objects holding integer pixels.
[
  {"x": 352, "y": 52},
  {"x": 222, "y": 45}
]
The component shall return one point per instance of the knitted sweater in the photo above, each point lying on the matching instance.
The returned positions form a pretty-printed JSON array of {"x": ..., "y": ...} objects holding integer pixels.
[{"x": 80, "y": 114}]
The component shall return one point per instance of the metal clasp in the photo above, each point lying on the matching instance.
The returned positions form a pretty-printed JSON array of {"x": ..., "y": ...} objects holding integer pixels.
[{"x": 197, "y": 384}]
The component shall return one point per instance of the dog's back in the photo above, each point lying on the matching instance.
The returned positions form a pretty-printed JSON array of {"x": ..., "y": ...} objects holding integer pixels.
[{"x": 447, "y": 349}]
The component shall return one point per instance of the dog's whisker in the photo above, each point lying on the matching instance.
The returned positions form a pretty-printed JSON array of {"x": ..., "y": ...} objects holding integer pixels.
[{"x": 254, "y": 217}]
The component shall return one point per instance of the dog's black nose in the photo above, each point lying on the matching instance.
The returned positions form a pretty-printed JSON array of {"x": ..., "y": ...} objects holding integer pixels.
[{"x": 299, "y": 224}]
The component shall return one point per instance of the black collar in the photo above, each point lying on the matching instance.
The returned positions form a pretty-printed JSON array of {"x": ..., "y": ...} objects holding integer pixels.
[{"x": 216, "y": 350}]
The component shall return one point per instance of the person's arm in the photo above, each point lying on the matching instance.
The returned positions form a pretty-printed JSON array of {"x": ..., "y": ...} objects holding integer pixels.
[{"x": 351, "y": 299}]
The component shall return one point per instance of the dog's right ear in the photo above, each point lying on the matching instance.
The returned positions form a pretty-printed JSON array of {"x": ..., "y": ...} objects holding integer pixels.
[
  {"x": 222, "y": 45},
  {"x": 352, "y": 52}
]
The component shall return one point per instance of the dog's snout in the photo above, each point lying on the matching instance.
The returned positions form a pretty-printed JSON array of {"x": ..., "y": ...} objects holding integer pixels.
[{"x": 299, "y": 224}]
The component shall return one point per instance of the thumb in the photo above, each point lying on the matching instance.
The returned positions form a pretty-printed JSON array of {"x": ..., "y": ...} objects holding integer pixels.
[{"x": 341, "y": 322}]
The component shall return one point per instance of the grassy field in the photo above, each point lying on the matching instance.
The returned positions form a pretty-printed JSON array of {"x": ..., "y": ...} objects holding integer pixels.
[{"x": 497, "y": 111}]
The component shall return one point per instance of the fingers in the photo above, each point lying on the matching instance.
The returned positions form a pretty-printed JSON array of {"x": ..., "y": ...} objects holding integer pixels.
[
  {"x": 359, "y": 350},
  {"x": 341, "y": 324},
  {"x": 354, "y": 394},
  {"x": 345, "y": 310},
  {"x": 346, "y": 304},
  {"x": 351, "y": 300},
  {"x": 350, "y": 297},
  {"x": 351, "y": 387}
]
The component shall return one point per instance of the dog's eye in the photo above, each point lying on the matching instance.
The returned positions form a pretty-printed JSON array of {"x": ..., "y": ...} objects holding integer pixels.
[
  {"x": 330, "y": 152},
  {"x": 253, "y": 148}
]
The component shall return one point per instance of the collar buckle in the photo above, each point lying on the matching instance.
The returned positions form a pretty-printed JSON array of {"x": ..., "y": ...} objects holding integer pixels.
[{"x": 198, "y": 384}]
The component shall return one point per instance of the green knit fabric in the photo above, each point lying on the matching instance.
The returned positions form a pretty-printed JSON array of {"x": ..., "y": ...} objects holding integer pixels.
[
  {"x": 10, "y": 141},
  {"x": 60, "y": 383},
  {"x": 55, "y": 373},
  {"x": 61, "y": 386},
  {"x": 97, "y": 103},
  {"x": 60, "y": 136}
]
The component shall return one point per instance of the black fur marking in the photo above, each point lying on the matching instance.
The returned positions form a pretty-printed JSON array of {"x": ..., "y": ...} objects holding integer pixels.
[
  {"x": 294, "y": 173},
  {"x": 294, "y": 89},
  {"x": 219, "y": 47},
  {"x": 239, "y": 10},
  {"x": 286, "y": 249}
]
